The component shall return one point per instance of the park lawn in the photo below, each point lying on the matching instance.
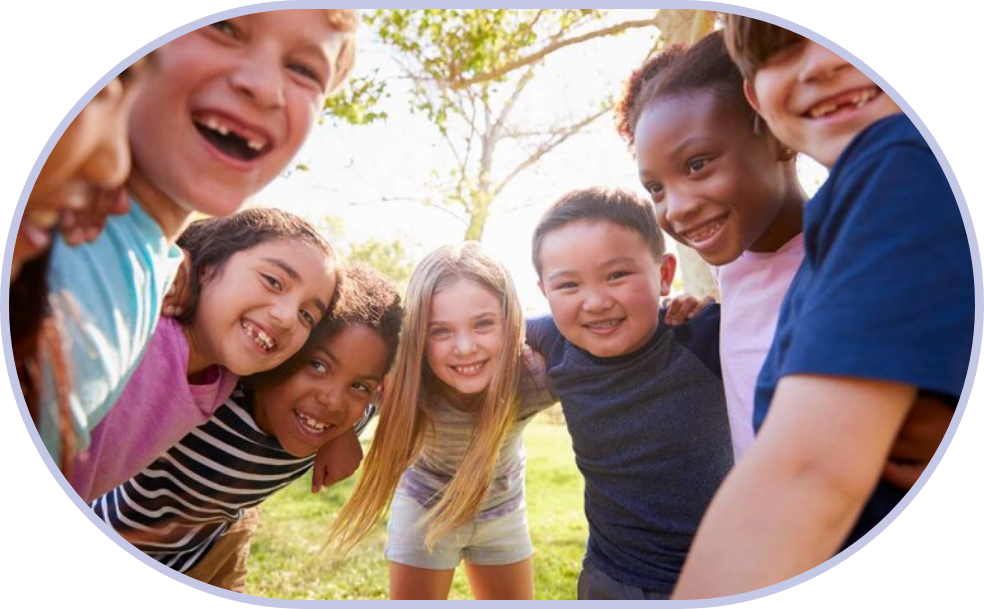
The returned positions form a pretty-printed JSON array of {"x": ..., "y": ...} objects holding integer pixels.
[{"x": 288, "y": 561}]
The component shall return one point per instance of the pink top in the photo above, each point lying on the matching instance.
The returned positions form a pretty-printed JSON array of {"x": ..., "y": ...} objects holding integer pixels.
[
  {"x": 158, "y": 407},
  {"x": 752, "y": 290}
]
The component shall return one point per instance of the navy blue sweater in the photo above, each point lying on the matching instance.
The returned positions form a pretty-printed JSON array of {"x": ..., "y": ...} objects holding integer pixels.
[{"x": 651, "y": 438}]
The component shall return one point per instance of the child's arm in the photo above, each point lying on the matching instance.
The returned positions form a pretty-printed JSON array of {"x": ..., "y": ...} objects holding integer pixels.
[
  {"x": 921, "y": 435},
  {"x": 336, "y": 461},
  {"x": 792, "y": 500}
]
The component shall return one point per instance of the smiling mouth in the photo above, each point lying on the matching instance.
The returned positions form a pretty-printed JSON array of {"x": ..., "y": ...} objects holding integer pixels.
[
  {"x": 262, "y": 340},
  {"x": 470, "y": 369},
  {"x": 854, "y": 100},
  {"x": 704, "y": 232},
  {"x": 311, "y": 424},
  {"x": 232, "y": 140},
  {"x": 604, "y": 327}
]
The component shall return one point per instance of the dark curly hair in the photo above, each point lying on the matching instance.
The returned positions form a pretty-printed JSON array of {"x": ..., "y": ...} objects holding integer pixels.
[
  {"x": 678, "y": 70},
  {"x": 212, "y": 242},
  {"x": 365, "y": 298}
]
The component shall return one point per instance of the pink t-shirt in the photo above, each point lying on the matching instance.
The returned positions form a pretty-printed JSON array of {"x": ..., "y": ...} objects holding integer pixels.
[
  {"x": 158, "y": 407},
  {"x": 752, "y": 289}
]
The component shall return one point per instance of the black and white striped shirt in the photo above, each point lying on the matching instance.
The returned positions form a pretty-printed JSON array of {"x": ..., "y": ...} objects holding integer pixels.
[{"x": 177, "y": 507}]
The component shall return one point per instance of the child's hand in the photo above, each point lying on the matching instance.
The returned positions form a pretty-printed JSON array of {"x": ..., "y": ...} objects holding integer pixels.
[
  {"x": 921, "y": 434},
  {"x": 336, "y": 461},
  {"x": 681, "y": 308},
  {"x": 84, "y": 225},
  {"x": 179, "y": 293}
]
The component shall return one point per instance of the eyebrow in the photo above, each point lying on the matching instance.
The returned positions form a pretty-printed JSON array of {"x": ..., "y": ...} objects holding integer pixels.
[
  {"x": 334, "y": 360},
  {"x": 687, "y": 142}
]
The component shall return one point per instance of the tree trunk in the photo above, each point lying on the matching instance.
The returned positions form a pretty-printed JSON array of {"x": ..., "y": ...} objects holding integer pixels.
[{"x": 680, "y": 26}]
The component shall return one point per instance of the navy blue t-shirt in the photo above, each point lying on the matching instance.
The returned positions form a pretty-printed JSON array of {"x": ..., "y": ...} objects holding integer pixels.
[
  {"x": 651, "y": 438},
  {"x": 886, "y": 289}
]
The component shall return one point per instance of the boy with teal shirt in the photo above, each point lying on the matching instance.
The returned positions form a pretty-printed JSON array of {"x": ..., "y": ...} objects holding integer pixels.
[
  {"x": 224, "y": 110},
  {"x": 855, "y": 356}
]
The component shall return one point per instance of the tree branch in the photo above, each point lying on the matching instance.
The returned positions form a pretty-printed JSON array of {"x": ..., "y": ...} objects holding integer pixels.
[
  {"x": 559, "y": 138},
  {"x": 459, "y": 83}
]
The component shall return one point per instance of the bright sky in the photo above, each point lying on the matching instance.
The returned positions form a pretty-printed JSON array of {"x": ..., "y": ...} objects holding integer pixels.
[{"x": 375, "y": 177}]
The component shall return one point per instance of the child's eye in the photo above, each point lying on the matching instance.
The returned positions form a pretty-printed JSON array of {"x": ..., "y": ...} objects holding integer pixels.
[
  {"x": 695, "y": 165},
  {"x": 318, "y": 366},
  {"x": 440, "y": 332},
  {"x": 308, "y": 319},
  {"x": 362, "y": 387},
  {"x": 654, "y": 190},
  {"x": 618, "y": 275},
  {"x": 225, "y": 27},
  {"x": 305, "y": 71},
  {"x": 485, "y": 324},
  {"x": 273, "y": 281},
  {"x": 567, "y": 285}
]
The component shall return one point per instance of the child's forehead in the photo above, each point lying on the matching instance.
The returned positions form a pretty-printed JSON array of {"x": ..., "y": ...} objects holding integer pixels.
[{"x": 590, "y": 242}]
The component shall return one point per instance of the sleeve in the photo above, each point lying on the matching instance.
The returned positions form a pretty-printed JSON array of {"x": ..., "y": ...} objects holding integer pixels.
[
  {"x": 541, "y": 334},
  {"x": 106, "y": 298},
  {"x": 702, "y": 336},
  {"x": 892, "y": 290}
]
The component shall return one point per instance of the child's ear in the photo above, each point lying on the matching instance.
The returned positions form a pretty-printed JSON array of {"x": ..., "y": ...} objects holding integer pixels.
[
  {"x": 666, "y": 272},
  {"x": 750, "y": 95}
]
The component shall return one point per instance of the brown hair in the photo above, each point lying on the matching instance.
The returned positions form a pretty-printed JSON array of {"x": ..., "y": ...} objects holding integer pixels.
[
  {"x": 678, "y": 70},
  {"x": 212, "y": 242},
  {"x": 346, "y": 21},
  {"x": 751, "y": 42},
  {"x": 617, "y": 206}
]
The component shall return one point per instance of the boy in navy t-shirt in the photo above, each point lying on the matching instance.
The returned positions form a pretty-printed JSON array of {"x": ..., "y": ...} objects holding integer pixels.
[
  {"x": 877, "y": 325},
  {"x": 644, "y": 402}
]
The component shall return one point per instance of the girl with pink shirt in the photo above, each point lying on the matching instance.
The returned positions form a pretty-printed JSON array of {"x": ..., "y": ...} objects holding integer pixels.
[
  {"x": 724, "y": 186},
  {"x": 258, "y": 283}
]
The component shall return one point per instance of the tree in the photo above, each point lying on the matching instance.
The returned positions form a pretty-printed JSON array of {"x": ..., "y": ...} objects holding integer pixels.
[
  {"x": 469, "y": 69},
  {"x": 389, "y": 258}
]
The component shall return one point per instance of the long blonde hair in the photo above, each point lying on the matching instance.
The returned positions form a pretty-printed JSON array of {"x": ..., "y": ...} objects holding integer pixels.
[{"x": 403, "y": 417}]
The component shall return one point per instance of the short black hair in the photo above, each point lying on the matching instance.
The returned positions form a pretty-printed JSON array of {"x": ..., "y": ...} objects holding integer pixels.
[{"x": 617, "y": 206}]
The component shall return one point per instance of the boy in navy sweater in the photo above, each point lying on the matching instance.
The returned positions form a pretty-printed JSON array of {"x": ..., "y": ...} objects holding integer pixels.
[{"x": 644, "y": 402}]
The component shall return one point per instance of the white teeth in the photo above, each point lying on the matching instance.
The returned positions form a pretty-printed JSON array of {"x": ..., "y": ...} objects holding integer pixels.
[
  {"x": 212, "y": 123},
  {"x": 859, "y": 100},
  {"x": 703, "y": 232},
  {"x": 313, "y": 425},
  {"x": 604, "y": 324},
  {"x": 472, "y": 369},
  {"x": 255, "y": 144},
  {"x": 261, "y": 338},
  {"x": 223, "y": 130}
]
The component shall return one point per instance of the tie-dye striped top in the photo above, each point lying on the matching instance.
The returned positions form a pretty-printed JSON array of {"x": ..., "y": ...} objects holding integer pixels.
[{"x": 448, "y": 439}]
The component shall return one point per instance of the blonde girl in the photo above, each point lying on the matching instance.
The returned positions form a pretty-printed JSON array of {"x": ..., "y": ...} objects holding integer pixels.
[{"x": 447, "y": 456}]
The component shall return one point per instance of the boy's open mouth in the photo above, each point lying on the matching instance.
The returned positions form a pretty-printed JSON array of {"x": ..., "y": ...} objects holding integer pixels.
[
  {"x": 603, "y": 327},
  {"x": 232, "y": 140},
  {"x": 852, "y": 100}
]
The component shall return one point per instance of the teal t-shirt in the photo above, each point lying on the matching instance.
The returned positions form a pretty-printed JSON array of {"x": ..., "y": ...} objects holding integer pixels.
[{"x": 106, "y": 298}]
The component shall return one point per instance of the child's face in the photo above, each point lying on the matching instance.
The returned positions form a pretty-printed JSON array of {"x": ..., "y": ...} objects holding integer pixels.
[
  {"x": 717, "y": 187},
  {"x": 229, "y": 106},
  {"x": 603, "y": 286},
  {"x": 92, "y": 156},
  {"x": 260, "y": 307},
  {"x": 815, "y": 101},
  {"x": 465, "y": 334},
  {"x": 328, "y": 395}
]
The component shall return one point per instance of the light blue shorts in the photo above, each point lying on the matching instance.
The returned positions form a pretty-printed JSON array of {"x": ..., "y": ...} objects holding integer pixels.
[{"x": 498, "y": 541}]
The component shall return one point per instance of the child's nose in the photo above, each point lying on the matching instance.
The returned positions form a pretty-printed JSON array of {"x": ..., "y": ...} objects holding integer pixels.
[
  {"x": 680, "y": 207},
  {"x": 332, "y": 398},
  {"x": 819, "y": 62},
  {"x": 260, "y": 77},
  {"x": 463, "y": 344},
  {"x": 284, "y": 314},
  {"x": 596, "y": 301}
]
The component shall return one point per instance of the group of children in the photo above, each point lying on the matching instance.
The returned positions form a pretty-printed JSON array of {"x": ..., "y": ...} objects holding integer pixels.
[{"x": 176, "y": 428}]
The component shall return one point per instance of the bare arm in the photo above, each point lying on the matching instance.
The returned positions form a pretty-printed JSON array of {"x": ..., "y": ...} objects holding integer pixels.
[{"x": 791, "y": 502}]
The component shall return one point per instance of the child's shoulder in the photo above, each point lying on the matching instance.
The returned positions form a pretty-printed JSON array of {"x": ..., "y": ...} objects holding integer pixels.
[
  {"x": 890, "y": 137},
  {"x": 701, "y": 336}
]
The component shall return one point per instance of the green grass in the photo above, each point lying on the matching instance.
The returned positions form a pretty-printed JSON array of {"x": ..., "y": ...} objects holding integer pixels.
[{"x": 287, "y": 559}]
